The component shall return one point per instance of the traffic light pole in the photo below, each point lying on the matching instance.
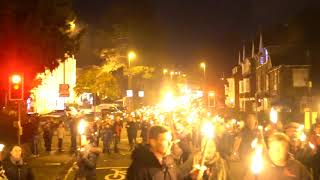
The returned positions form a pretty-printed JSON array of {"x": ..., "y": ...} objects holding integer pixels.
[{"x": 19, "y": 123}]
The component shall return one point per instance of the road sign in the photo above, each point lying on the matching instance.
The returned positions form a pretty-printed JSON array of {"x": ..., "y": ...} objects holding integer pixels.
[
  {"x": 129, "y": 93},
  {"x": 141, "y": 94},
  {"x": 64, "y": 90}
]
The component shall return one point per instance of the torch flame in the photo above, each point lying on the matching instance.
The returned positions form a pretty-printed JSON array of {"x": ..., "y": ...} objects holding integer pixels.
[
  {"x": 273, "y": 116},
  {"x": 311, "y": 145},
  {"x": 208, "y": 129},
  {"x": 1, "y": 147},
  {"x": 257, "y": 160},
  {"x": 82, "y": 126}
]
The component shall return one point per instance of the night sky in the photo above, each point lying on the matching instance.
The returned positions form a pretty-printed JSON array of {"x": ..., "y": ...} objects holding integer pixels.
[{"x": 181, "y": 33}]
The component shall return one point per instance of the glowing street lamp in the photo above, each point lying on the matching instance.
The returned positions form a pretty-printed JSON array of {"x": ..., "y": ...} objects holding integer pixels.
[
  {"x": 165, "y": 71},
  {"x": 131, "y": 56},
  {"x": 203, "y": 66},
  {"x": 171, "y": 74}
]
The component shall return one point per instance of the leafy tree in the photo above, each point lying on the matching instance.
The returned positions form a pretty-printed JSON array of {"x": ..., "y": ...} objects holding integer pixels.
[
  {"x": 92, "y": 79},
  {"x": 38, "y": 31}
]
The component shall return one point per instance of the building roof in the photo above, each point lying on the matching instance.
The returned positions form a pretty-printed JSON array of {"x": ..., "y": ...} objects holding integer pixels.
[{"x": 288, "y": 55}]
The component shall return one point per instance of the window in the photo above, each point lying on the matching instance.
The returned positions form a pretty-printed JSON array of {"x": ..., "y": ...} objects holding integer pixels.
[
  {"x": 241, "y": 86},
  {"x": 275, "y": 80},
  {"x": 246, "y": 85},
  {"x": 300, "y": 77},
  {"x": 259, "y": 82}
]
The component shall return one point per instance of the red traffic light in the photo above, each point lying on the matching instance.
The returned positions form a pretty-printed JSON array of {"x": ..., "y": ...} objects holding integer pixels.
[
  {"x": 16, "y": 90},
  {"x": 16, "y": 78}
]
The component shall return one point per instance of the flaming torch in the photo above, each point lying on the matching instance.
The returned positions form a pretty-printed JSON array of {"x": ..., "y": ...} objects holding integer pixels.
[
  {"x": 81, "y": 129},
  {"x": 273, "y": 116},
  {"x": 257, "y": 158},
  {"x": 208, "y": 133}
]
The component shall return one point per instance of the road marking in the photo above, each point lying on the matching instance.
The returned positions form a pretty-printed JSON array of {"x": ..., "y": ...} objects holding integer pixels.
[
  {"x": 117, "y": 167},
  {"x": 53, "y": 164},
  {"x": 69, "y": 172}
]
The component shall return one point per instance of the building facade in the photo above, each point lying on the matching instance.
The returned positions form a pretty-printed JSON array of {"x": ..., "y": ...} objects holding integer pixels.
[{"x": 276, "y": 77}]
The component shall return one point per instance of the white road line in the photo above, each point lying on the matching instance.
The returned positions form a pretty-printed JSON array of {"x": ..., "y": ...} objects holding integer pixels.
[
  {"x": 53, "y": 164},
  {"x": 116, "y": 167},
  {"x": 68, "y": 173}
]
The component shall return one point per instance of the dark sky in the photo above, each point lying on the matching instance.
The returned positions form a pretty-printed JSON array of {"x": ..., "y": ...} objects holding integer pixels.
[{"x": 179, "y": 33}]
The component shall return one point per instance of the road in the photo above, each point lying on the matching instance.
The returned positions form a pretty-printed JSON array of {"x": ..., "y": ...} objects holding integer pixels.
[{"x": 109, "y": 166}]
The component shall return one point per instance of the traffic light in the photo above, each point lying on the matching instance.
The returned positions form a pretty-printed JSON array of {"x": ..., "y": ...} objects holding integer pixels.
[{"x": 16, "y": 90}]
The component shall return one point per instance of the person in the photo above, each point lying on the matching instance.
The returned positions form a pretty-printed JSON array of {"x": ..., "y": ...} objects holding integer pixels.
[
  {"x": 281, "y": 165},
  {"x": 106, "y": 136},
  {"x": 47, "y": 136},
  {"x": 2, "y": 173},
  {"x": 315, "y": 159},
  {"x": 216, "y": 168},
  {"x": 15, "y": 167},
  {"x": 132, "y": 132},
  {"x": 145, "y": 125},
  {"x": 247, "y": 135},
  {"x": 60, "y": 133},
  {"x": 35, "y": 138},
  {"x": 73, "y": 134},
  {"x": 117, "y": 127},
  {"x": 86, "y": 161},
  {"x": 151, "y": 161}
]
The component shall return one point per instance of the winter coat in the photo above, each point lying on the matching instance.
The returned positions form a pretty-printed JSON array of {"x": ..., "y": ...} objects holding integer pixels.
[
  {"x": 132, "y": 128},
  {"x": 87, "y": 161},
  {"x": 145, "y": 166},
  {"x": 17, "y": 170},
  {"x": 117, "y": 126}
]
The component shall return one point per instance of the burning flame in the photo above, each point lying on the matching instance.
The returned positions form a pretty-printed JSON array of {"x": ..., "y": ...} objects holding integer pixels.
[
  {"x": 208, "y": 129},
  {"x": 82, "y": 126},
  {"x": 257, "y": 160}
]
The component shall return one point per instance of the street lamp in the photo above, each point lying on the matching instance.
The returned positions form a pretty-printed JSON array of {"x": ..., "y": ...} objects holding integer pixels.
[
  {"x": 165, "y": 71},
  {"x": 131, "y": 56},
  {"x": 203, "y": 66},
  {"x": 171, "y": 74}
]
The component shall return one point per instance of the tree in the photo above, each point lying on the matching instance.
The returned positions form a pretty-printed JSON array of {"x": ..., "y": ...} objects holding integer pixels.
[
  {"x": 92, "y": 79},
  {"x": 37, "y": 32}
]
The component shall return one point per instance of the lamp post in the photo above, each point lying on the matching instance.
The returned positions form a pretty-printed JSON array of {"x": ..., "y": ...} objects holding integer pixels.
[
  {"x": 203, "y": 66},
  {"x": 131, "y": 56},
  {"x": 165, "y": 71}
]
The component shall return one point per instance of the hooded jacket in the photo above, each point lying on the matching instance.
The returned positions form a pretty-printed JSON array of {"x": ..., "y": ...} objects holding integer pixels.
[
  {"x": 17, "y": 170},
  {"x": 145, "y": 166}
]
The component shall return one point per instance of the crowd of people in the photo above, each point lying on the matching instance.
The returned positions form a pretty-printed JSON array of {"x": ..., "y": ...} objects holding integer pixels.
[{"x": 171, "y": 145}]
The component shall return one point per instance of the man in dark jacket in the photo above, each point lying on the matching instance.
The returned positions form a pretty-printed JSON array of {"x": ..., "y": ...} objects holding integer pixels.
[
  {"x": 47, "y": 135},
  {"x": 87, "y": 161},
  {"x": 14, "y": 166},
  {"x": 132, "y": 129},
  {"x": 150, "y": 162},
  {"x": 117, "y": 127},
  {"x": 145, "y": 125}
]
